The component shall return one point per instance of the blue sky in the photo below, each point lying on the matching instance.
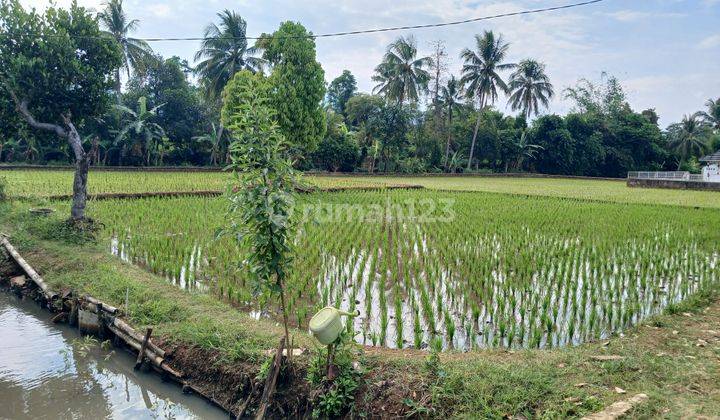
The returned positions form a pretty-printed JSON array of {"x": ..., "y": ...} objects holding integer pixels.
[{"x": 665, "y": 52}]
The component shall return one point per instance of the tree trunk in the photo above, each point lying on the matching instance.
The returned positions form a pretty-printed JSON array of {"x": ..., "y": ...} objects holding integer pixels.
[
  {"x": 82, "y": 163},
  {"x": 449, "y": 139},
  {"x": 82, "y": 167},
  {"x": 118, "y": 86},
  {"x": 477, "y": 127},
  {"x": 472, "y": 145}
]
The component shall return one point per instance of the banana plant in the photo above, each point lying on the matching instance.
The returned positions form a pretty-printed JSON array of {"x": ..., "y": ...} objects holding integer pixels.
[
  {"x": 214, "y": 138},
  {"x": 140, "y": 126}
]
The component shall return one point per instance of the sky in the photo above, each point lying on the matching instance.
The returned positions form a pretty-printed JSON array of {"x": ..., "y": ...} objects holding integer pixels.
[{"x": 666, "y": 53}]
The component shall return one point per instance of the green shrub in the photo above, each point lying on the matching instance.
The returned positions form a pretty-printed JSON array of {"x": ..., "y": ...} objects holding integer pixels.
[{"x": 338, "y": 395}]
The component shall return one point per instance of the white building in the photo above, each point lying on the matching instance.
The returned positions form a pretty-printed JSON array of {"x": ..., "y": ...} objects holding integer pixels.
[{"x": 711, "y": 172}]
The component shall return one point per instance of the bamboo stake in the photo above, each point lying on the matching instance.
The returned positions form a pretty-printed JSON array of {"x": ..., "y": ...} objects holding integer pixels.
[
  {"x": 271, "y": 382},
  {"x": 154, "y": 358},
  {"x": 105, "y": 307},
  {"x": 128, "y": 330},
  {"x": 143, "y": 348},
  {"x": 49, "y": 295}
]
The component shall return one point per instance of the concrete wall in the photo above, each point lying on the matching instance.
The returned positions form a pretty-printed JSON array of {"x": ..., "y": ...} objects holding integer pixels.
[
  {"x": 675, "y": 185},
  {"x": 711, "y": 173}
]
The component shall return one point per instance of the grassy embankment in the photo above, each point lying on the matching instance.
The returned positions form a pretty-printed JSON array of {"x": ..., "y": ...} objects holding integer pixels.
[{"x": 674, "y": 358}]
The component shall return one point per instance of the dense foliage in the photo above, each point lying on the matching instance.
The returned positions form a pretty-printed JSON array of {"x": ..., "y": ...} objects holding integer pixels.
[
  {"x": 64, "y": 71},
  {"x": 298, "y": 86},
  {"x": 422, "y": 119}
]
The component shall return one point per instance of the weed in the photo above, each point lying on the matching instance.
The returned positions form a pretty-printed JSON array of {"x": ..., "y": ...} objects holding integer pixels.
[{"x": 336, "y": 396}]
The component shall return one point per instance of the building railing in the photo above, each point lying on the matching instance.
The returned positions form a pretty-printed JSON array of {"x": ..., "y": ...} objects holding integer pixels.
[
  {"x": 667, "y": 176},
  {"x": 671, "y": 175}
]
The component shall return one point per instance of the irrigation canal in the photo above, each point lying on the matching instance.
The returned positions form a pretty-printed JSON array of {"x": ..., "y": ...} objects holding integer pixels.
[{"x": 49, "y": 371}]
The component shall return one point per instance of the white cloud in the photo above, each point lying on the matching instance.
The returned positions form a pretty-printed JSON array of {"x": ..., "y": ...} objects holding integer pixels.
[
  {"x": 44, "y": 4},
  {"x": 634, "y": 15},
  {"x": 159, "y": 10},
  {"x": 713, "y": 41}
]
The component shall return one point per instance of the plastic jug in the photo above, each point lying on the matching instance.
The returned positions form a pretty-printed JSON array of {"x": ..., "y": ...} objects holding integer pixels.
[{"x": 326, "y": 325}]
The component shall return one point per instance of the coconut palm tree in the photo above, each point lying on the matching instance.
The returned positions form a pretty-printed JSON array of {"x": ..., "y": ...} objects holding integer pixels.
[
  {"x": 402, "y": 75},
  {"x": 712, "y": 116},
  {"x": 450, "y": 99},
  {"x": 224, "y": 51},
  {"x": 689, "y": 137},
  {"x": 135, "y": 52},
  {"x": 481, "y": 74},
  {"x": 530, "y": 87},
  {"x": 140, "y": 125}
]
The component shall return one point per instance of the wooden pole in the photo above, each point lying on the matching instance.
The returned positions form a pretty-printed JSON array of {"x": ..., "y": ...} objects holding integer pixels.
[
  {"x": 143, "y": 347},
  {"x": 128, "y": 330},
  {"x": 271, "y": 382},
  {"x": 102, "y": 305},
  {"x": 154, "y": 358}
]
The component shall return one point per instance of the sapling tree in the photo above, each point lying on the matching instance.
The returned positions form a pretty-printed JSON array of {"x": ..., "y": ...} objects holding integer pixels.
[
  {"x": 56, "y": 69},
  {"x": 262, "y": 193}
]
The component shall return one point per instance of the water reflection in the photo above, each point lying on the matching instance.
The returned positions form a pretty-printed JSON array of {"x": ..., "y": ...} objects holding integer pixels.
[{"x": 44, "y": 373}]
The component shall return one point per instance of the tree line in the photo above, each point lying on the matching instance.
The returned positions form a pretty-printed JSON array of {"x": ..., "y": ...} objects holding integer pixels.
[{"x": 418, "y": 118}]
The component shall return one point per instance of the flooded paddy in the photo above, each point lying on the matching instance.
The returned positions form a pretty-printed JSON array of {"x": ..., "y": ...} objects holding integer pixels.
[
  {"x": 451, "y": 270},
  {"x": 48, "y": 371}
]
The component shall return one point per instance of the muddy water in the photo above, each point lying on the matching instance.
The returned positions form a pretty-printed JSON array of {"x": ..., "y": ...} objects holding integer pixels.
[{"x": 48, "y": 371}]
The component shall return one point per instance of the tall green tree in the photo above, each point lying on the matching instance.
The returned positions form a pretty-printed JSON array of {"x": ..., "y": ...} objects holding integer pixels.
[
  {"x": 530, "y": 88},
  {"x": 402, "y": 76},
  {"x": 135, "y": 52},
  {"x": 606, "y": 97},
  {"x": 689, "y": 138},
  {"x": 360, "y": 109},
  {"x": 57, "y": 83},
  {"x": 450, "y": 99},
  {"x": 712, "y": 115},
  {"x": 338, "y": 151},
  {"x": 298, "y": 82},
  {"x": 183, "y": 114},
  {"x": 262, "y": 195},
  {"x": 341, "y": 90},
  {"x": 481, "y": 74},
  {"x": 223, "y": 52}
]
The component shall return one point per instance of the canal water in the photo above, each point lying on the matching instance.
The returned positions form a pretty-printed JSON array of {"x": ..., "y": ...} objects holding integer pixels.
[{"x": 48, "y": 371}]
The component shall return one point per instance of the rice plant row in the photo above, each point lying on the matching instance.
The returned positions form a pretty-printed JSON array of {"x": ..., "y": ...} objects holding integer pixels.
[
  {"x": 48, "y": 183},
  {"x": 471, "y": 269}
]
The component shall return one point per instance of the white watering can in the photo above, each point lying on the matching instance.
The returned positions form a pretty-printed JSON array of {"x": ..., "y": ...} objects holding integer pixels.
[{"x": 326, "y": 325}]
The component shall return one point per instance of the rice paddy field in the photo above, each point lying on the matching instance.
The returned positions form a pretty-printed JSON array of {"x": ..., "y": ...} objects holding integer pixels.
[
  {"x": 471, "y": 269},
  {"x": 502, "y": 262},
  {"x": 46, "y": 183}
]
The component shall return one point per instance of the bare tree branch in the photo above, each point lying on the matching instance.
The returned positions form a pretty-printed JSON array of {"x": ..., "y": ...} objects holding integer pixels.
[
  {"x": 22, "y": 107},
  {"x": 74, "y": 138}
]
